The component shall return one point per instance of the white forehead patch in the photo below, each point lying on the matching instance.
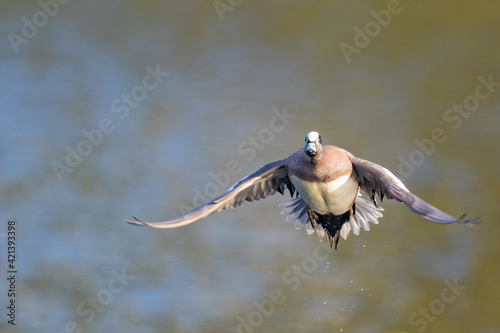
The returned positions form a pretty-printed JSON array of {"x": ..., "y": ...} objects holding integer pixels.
[{"x": 312, "y": 136}]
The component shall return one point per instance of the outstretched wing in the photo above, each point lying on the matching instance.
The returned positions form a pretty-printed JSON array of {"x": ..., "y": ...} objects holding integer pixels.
[
  {"x": 268, "y": 180},
  {"x": 375, "y": 180}
]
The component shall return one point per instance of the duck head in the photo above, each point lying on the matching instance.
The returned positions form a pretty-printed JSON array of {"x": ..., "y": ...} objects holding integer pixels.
[{"x": 314, "y": 146}]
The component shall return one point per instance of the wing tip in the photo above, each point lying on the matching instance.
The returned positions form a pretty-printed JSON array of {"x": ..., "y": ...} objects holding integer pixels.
[
  {"x": 136, "y": 222},
  {"x": 469, "y": 222}
]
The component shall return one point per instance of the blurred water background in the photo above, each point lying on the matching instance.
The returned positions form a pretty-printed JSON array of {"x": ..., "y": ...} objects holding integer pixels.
[{"x": 161, "y": 100}]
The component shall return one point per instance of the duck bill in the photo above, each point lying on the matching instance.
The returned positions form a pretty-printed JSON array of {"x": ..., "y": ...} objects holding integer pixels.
[{"x": 311, "y": 148}]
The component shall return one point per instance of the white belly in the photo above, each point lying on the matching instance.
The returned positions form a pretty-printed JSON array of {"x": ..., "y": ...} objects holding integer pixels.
[{"x": 334, "y": 197}]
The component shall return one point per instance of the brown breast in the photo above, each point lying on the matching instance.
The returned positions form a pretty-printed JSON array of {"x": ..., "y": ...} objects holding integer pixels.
[{"x": 334, "y": 164}]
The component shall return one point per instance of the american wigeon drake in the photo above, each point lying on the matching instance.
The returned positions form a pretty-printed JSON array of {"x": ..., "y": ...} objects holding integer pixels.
[{"x": 327, "y": 182}]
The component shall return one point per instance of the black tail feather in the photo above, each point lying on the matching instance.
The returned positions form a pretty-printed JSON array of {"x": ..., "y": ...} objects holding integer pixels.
[{"x": 333, "y": 224}]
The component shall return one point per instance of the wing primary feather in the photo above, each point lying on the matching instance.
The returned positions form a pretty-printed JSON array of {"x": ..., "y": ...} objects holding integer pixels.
[
  {"x": 268, "y": 180},
  {"x": 375, "y": 180}
]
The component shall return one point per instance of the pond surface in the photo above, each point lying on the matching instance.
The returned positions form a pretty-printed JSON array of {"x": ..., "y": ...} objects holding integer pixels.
[{"x": 112, "y": 110}]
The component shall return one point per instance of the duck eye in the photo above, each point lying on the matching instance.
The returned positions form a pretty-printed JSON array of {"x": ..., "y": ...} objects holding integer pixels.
[{"x": 320, "y": 140}]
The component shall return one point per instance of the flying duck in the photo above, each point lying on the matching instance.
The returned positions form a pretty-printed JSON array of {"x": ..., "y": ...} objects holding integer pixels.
[{"x": 327, "y": 182}]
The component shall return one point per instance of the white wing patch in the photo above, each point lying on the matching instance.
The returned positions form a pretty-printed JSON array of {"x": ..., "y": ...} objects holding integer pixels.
[{"x": 396, "y": 179}]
